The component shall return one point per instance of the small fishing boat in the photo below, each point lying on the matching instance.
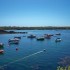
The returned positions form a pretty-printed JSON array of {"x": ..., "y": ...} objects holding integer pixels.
[
  {"x": 1, "y": 51},
  {"x": 44, "y": 50},
  {"x": 1, "y": 44},
  {"x": 40, "y": 38},
  {"x": 58, "y": 40},
  {"x": 18, "y": 37},
  {"x": 58, "y": 34},
  {"x": 47, "y": 36},
  {"x": 51, "y": 35},
  {"x": 13, "y": 41},
  {"x": 31, "y": 36}
]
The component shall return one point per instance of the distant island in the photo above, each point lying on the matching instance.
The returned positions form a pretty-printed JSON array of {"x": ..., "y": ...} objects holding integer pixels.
[{"x": 3, "y": 29}]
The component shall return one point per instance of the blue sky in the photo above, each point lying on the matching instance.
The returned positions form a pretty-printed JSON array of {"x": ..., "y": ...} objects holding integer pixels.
[{"x": 34, "y": 12}]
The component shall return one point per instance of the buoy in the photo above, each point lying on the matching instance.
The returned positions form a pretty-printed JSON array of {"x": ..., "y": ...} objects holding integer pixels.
[{"x": 16, "y": 49}]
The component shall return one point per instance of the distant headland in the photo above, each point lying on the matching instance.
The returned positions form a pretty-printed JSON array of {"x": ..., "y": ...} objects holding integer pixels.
[
  {"x": 3, "y": 29},
  {"x": 33, "y": 28}
]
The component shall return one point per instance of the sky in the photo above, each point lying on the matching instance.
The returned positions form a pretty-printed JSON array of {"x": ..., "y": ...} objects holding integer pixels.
[{"x": 34, "y": 12}]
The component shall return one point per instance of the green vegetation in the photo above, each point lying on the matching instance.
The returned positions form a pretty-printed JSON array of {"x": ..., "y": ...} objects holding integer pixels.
[{"x": 63, "y": 68}]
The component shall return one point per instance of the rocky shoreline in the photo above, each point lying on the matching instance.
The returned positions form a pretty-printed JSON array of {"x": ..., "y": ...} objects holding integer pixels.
[{"x": 11, "y": 32}]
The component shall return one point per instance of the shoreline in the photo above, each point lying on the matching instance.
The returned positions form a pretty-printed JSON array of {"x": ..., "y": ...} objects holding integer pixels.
[
  {"x": 3, "y": 30},
  {"x": 34, "y": 28}
]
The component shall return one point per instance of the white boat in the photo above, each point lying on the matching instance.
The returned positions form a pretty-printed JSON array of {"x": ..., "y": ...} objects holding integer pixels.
[
  {"x": 31, "y": 36},
  {"x": 58, "y": 40},
  {"x": 18, "y": 37},
  {"x": 13, "y": 41},
  {"x": 1, "y": 44}
]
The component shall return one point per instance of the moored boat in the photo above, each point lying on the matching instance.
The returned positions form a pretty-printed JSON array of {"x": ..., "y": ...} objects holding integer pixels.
[
  {"x": 58, "y": 40},
  {"x": 44, "y": 50},
  {"x": 1, "y": 51},
  {"x": 13, "y": 41},
  {"x": 58, "y": 34},
  {"x": 1, "y": 44},
  {"x": 31, "y": 36},
  {"x": 18, "y": 37},
  {"x": 40, "y": 38},
  {"x": 48, "y": 36}
]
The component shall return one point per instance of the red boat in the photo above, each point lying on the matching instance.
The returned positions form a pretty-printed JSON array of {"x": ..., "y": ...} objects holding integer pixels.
[
  {"x": 1, "y": 51},
  {"x": 48, "y": 36}
]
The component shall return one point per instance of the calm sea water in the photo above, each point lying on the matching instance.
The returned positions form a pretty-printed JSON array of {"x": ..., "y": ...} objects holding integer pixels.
[{"x": 30, "y": 55}]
